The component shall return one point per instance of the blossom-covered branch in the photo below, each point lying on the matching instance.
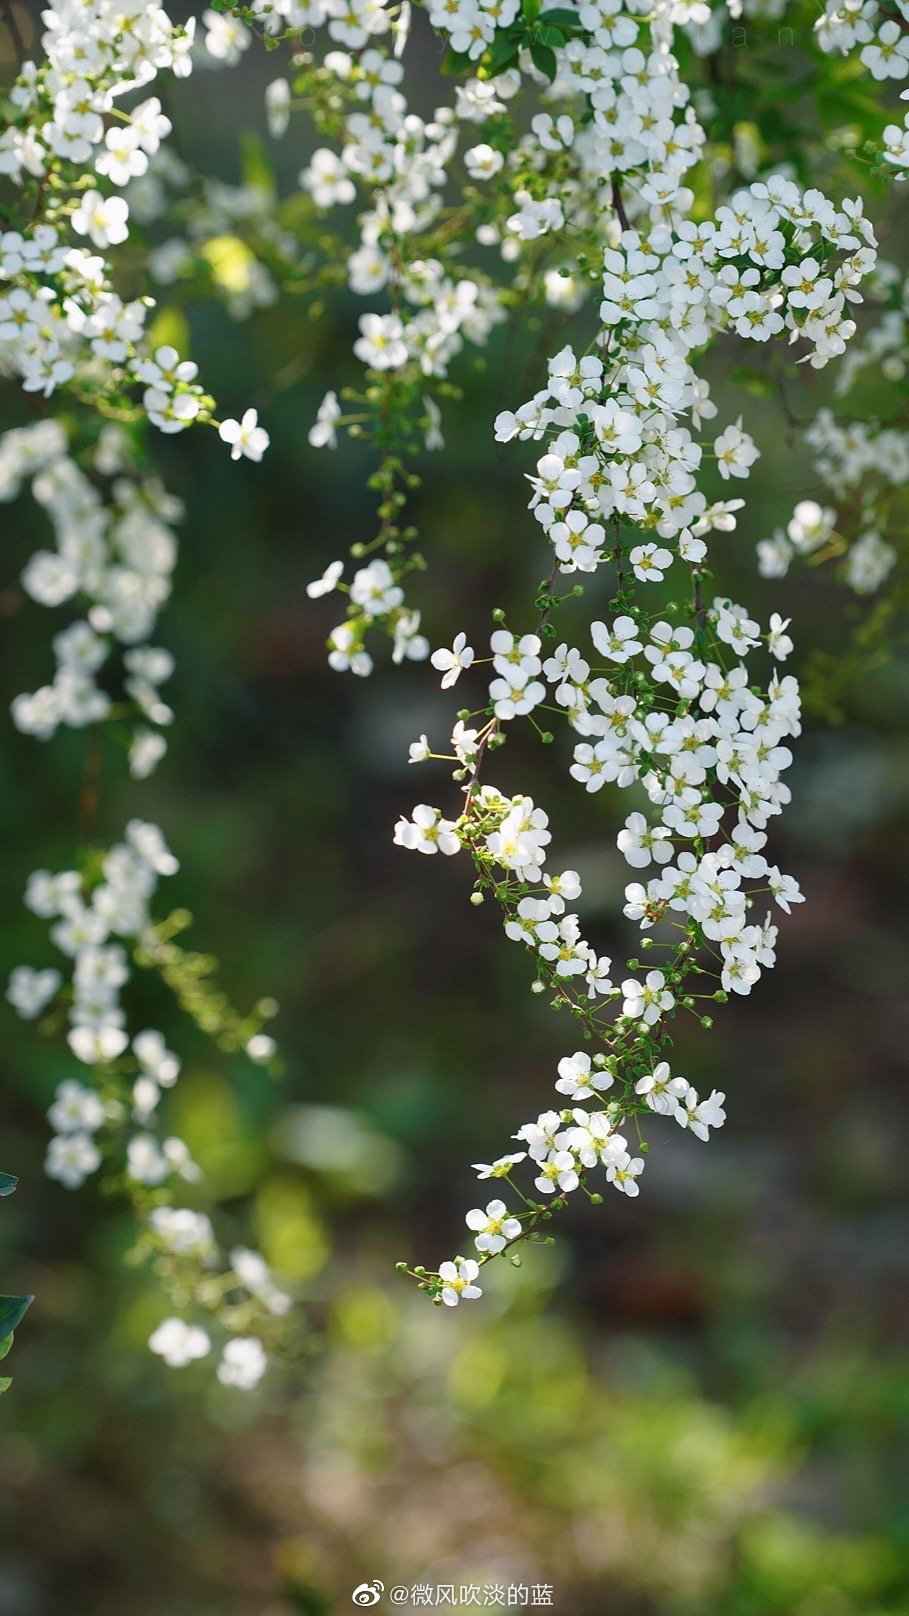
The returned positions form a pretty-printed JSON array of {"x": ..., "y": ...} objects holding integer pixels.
[{"x": 68, "y": 149}]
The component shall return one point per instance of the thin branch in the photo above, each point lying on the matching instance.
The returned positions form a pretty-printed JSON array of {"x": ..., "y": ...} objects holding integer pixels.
[{"x": 618, "y": 203}]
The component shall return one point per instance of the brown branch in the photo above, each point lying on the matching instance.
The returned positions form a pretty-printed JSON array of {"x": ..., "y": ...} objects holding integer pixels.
[{"x": 619, "y": 205}]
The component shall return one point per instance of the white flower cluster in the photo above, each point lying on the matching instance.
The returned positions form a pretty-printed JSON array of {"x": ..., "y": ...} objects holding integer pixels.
[
  {"x": 374, "y": 596},
  {"x": 896, "y": 142},
  {"x": 881, "y": 39},
  {"x": 62, "y": 323},
  {"x": 774, "y": 260},
  {"x": 707, "y": 747},
  {"x": 883, "y": 44},
  {"x": 564, "y": 1147},
  {"x": 637, "y": 113},
  {"x": 115, "y": 553},
  {"x": 862, "y": 464},
  {"x": 858, "y": 457},
  {"x": 631, "y": 460},
  {"x": 244, "y": 1359},
  {"x": 578, "y": 137},
  {"x": 91, "y": 928},
  {"x": 71, "y": 148},
  {"x": 110, "y": 1118},
  {"x": 667, "y": 702},
  {"x": 401, "y": 162},
  {"x": 812, "y": 532}
]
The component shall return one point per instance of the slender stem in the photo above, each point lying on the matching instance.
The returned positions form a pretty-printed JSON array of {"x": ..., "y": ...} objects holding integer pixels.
[{"x": 618, "y": 203}]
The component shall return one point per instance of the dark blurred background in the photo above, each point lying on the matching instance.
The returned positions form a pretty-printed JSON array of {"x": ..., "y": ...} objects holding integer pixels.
[{"x": 694, "y": 1405}]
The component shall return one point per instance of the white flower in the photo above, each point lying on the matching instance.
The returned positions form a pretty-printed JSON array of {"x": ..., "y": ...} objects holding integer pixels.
[
  {"x": 579, "y": 1079},
  {"x": 511, "y": 654},
  {"x": 328, "y": 581},
  {"x": 621, "y": 641},
  {"x": 558, "y": 1174},
  {"x": 494, "y": 1228},
  {"x": 452, "y": 663},
  {"x": 735, "y": 452},
  {"x": 76, "y": 1109},
  {"x": 243, "y": 1362},
  {"x": 535, "y": 219},
  {"x": 640, "y": 843},
  {"x": 458, "y": 1281},
  {"x": 124, "y": 158},
  {"x": 147, "y": 749},
  {"x": 888, "y": 57},
  {"x": 483, "y": 162},
  {"x": 327, "y": 179},
  {"x": 145, "y": 1160},
  {"x": 374, "y": 589},
  {"x": 562, "y": 888},
  {"x": 464, "y": 742},
  {"x": 785, "y": 889},
  {"x": 245, "y": 437},
  {"x": 103, "y": 219},
  {"x": 501, "y": 1167},
  {"x": 226, "y": 38},
  {"x": 811, "y": 526},
  {"x": 409, "y": 644},
  {"x": 254, "y": 1273},
  {"x": 649, "y": 562},
  {"x": 516, "y": 696},
  {"x": 624, "y": 1173},
  {"x": 419, "y": 750},
  {"x": 661, "y": 1091},
  {"x": 277, "y": 107},
  {"x": 381, "y": 345},
  {"x": 96, "y": 1046},
  {"x": 868, "y": 563},
  {"x": 166, "y": 370},
  {"x": 781, "y": 646},
  {"x": 649, "y": 1001},
  {"x": 71, "y": 1157},
  {"x": 179, "y": 1343},
  {"x": 346, "y": 652},
  {"x": 261, "y": 1048},
  {"x": 184, "y": 1232},
  {"x": 155, "y": 1058},
  {"x": 29, "y": 990},
  {"x": 322, "y": 434},
  {"x": 699, "y": 1116},
  {"x": 427, "y": 832}
]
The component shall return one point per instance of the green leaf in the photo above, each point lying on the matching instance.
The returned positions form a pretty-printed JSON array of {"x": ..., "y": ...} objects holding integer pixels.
[
  {"x": 503, "y": 52},
  {"x": 7, "y": 1183},
  {"x": 5, "y": 1383},
  {"x": 455, "y": 62},
  {"x": 12, "y": 1311},
  {"x": 543, "y": 59},
  {"x": 560, "y": 17},
  {"x": 553, "y": 37}
]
